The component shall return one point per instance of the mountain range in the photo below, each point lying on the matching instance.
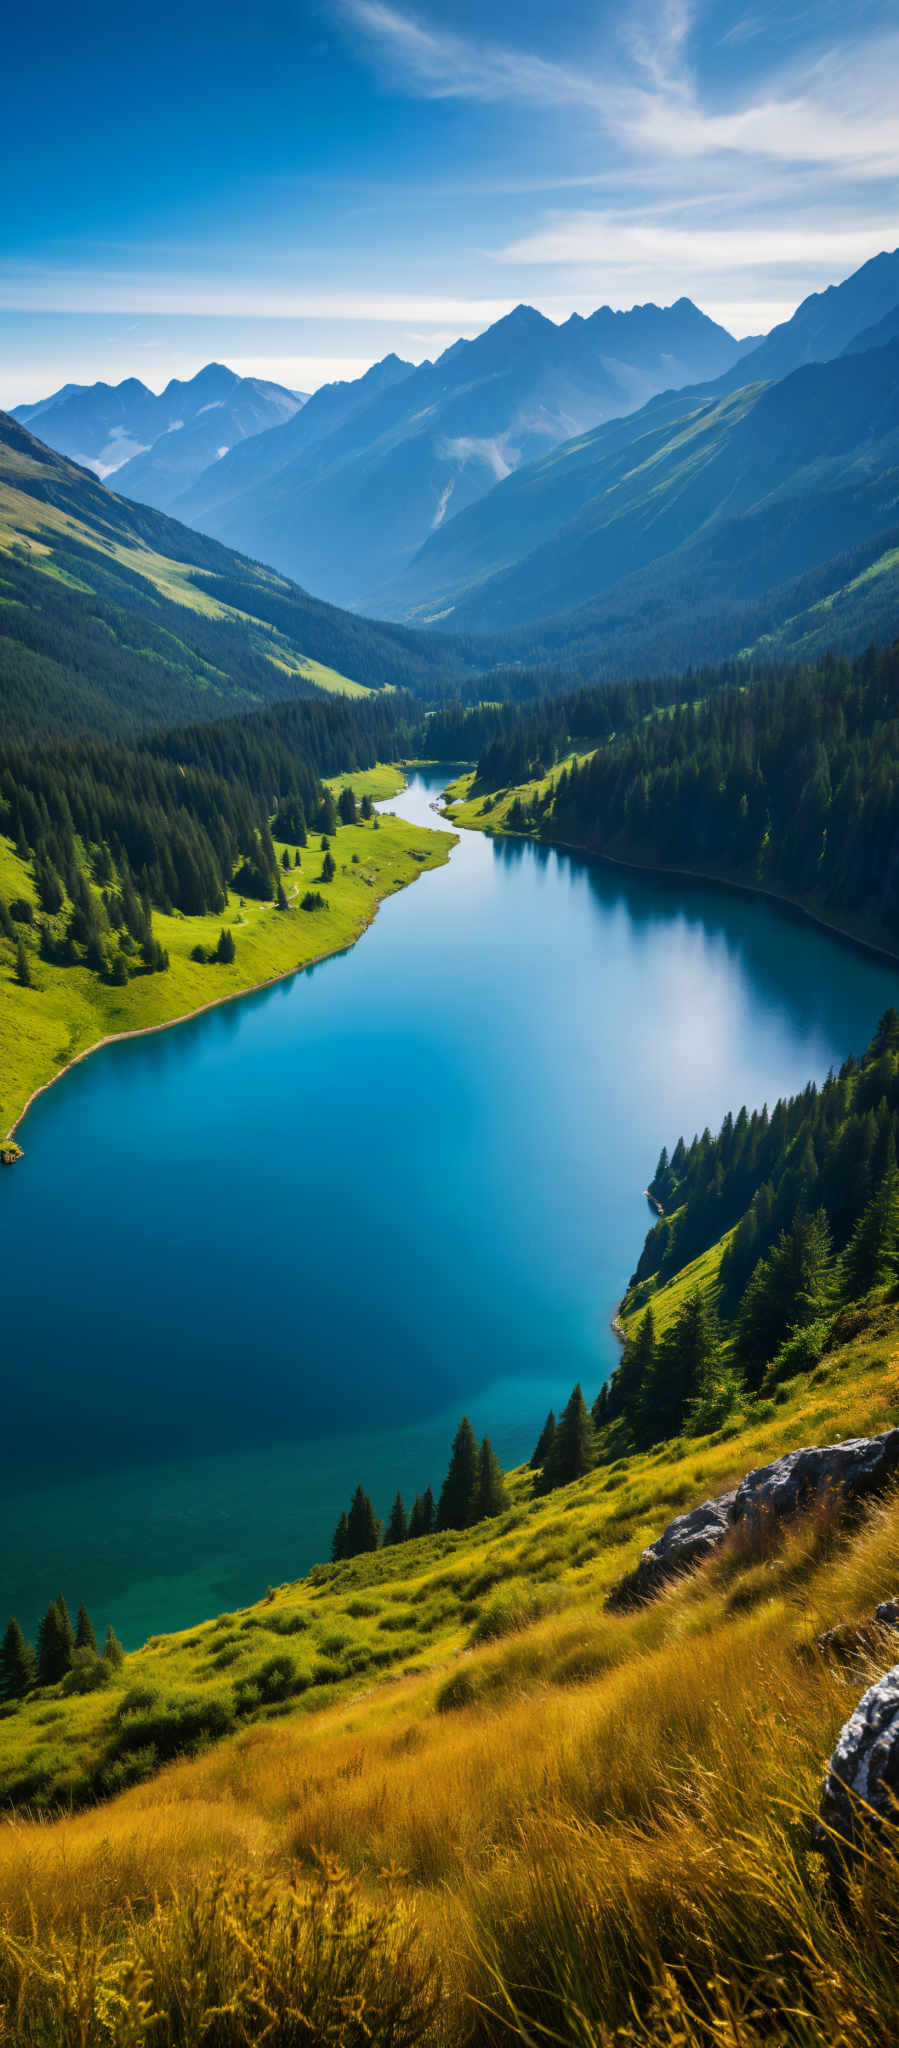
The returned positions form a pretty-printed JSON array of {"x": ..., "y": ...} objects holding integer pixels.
[
  {"x": 115, "y": 617},
  {"x": 684, "y": 530},
  {"x": 158, "y": 446},
  {"x": 754, "y": 508},
  {"x": 342, "y": 494}
]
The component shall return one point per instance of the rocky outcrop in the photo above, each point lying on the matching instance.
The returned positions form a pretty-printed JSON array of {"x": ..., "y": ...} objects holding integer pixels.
[
  {"x": 685, "y": 1542},
  {"x": 861, "y": 1789},
  {"x": 849, "y": 1641},
  {"x": 840, "y": 1474}
]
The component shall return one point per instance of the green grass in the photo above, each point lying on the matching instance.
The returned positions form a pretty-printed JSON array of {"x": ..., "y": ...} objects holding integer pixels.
[
  {"x": 69, "y": 1010},
  {"x": 484, "y": 1595}
]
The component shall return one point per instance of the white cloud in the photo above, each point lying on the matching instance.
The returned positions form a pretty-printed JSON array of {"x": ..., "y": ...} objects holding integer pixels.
[
  {"x": 648, "y": 245},
  {"x": 39, "y": 290},
  {"x": 440, "y": 65}
]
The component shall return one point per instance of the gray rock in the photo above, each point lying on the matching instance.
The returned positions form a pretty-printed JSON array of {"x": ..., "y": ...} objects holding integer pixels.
[
  {"x": 861, "y": 1789},
  {"x": 685, "y": 1541},
  {"x": 839, "y": 1473},
  {"x": 887, "y": 1614}
]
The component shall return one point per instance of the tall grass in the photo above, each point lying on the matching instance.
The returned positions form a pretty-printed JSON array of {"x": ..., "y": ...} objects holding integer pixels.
[{"x": 602, "y": 1839}]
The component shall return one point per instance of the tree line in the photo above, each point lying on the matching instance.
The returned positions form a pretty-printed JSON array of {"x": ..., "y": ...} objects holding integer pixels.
[
  {"x": 808, "y": 1198},
  {"x": 790, "y": 781},
  {"x": 62, "y": 1653},
  {"x": 473, "y": 1491}
]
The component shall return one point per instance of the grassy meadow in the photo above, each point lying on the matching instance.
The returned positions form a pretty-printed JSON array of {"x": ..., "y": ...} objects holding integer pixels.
[
  {"x": 597, "y": 1825},
  {"x": 70, "y": 1009}
]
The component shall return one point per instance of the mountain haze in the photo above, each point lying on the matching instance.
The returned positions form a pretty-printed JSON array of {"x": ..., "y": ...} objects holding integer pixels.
[
  {"x": 164, "y": 442},
  {"x": 346, "y": 509},
  {"x": 115, "y": 617}
]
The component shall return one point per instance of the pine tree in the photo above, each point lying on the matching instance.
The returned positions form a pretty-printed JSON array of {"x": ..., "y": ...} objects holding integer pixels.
[
  {"x": 280, "y": 898},
  {"x": 329, "y": 868},
  {"x": 421, "y": 1518},
  {"x": 340, "y": 1541},
  {"x": 347, "y": 806},
  {"x": 573, "y": 1448},
  {"x": 397, "y": 1529},
  {"x": 67, "y": 1628},
  {"x": 491, "y": 1497},
  {"x": 225, "y": 949},
  {"x": 55, "y": 1645},
  {"x": 285, "y": 860},
  {"x": 871, "y": 1255},
  {"x": 85, "y": 1638},
  {"x": 457, "y": 1494},
  {"x": 16, "y": 1663},
  {"x": 363, "y": 1528},
  {"x": 113, "y": 1653},
  {"x": 23, "y": 965},
  {"x": 541, "y": 1450},
  {"x": 367, "y": 807}
]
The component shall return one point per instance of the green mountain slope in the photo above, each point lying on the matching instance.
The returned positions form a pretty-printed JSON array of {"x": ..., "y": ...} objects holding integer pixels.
[
  {"x": 113, "y": 616},
  {"x": 732, "y": 495}
]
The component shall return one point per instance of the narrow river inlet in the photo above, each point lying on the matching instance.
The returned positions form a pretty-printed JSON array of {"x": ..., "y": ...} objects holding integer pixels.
[{"x": 281, "y": 1248}]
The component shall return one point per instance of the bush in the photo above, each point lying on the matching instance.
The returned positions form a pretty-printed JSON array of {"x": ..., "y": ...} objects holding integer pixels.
[
  {"x": 458, "y": 1691},
  {"x": 89, "y": 1672},
  {"x": 276, "y": 1679}
]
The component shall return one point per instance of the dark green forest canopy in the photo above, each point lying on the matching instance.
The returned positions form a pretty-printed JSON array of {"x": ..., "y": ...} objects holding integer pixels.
[
  {"x": 789, "y": 779},
  {"x": 178, "y": 810}
]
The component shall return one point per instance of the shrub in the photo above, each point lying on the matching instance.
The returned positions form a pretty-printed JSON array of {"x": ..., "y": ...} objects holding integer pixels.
[{"x": 458, "y": 1691}]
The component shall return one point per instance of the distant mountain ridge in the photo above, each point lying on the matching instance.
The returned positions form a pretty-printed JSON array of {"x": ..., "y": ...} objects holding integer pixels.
[
  {"x": 346, "y": 510},
  {"x": 164, "y": 441},
  {"x": 115, "y": 617}
]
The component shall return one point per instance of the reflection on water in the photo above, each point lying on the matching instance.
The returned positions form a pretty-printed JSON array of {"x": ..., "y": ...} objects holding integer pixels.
[{"x": 404, "y": 1182}]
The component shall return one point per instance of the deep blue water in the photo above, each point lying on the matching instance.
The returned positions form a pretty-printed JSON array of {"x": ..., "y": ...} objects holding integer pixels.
[{"x": 251, "y": 1260}]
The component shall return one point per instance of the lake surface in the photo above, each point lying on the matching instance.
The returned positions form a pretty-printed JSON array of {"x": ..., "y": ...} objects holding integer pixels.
[{"x": 281, "y": 1248}]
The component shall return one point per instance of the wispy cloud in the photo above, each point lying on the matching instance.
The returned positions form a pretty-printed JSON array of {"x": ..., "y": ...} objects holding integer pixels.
[
  {"x": 438, "y": 64},
  {"x": 33, "y": 289},
  {"x": 648, "y": 243}
]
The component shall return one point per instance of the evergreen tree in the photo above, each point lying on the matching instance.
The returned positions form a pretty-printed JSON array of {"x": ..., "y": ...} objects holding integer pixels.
[
  {"x": 421, "y": 1518},
  {"x": 347, "y": 806},
  {"x": 491, "y": 1497},
  {"x": 85, "y": 1638},
  {"x": 340, "y": 1542},
  {"x": 113, "y": 1653},
  {"x": 281, "y": 897},
  {"x": 541, "y": 1450},
  {"x": 363, "y": 1528},
  {"x": 397, "y": 1529},
  {"x": 23, "y": 965},
  {"x": 872, "y": 1253},
  {"x": 573, "y": 1448},
  {"x": 67, "y": 1628},
  {"x": 55, "y": 1646},
  {"x": 225, "y": 949},
  {"x": 329, "y": 868},
  {"x": 16, "y": 1663},
  {"x": 285, "y": 860},
  {"x": 625, "y": 1394},
  {"x": 296, "y": 858},
  {"x": 367, "y": 807},
  {"x": 457, "y": 1494},
  {"x": 684, "y": 1362}
]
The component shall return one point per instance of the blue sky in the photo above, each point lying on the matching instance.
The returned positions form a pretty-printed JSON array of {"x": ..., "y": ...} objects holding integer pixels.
[{"x": 298, "y": 188}]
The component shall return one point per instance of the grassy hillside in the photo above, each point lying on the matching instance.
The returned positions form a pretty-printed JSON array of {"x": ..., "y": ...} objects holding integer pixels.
[
  {"x": 70, "y": 1008},
  {"x": 113, "y": 616},
  {"x": 600, "y": 1823}
]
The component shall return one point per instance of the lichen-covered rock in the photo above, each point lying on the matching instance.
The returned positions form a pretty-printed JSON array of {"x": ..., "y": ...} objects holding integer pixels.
[
  {"x": 837, "y": 1473},
  {"x": 861, "y": 1789},
  {"x": 685, "y": 1541}
]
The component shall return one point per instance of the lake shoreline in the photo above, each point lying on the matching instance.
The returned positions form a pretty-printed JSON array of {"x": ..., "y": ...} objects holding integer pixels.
[
  {"x": 231, "y": 996},
  {"x": 706, "y": 876}
]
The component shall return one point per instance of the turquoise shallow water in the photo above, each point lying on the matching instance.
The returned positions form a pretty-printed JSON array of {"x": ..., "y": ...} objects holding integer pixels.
[{"x": 434, "y": 1202}]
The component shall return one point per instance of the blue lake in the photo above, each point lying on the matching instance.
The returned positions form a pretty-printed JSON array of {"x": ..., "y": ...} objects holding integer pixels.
[{"x": 281, "y": 1248}]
